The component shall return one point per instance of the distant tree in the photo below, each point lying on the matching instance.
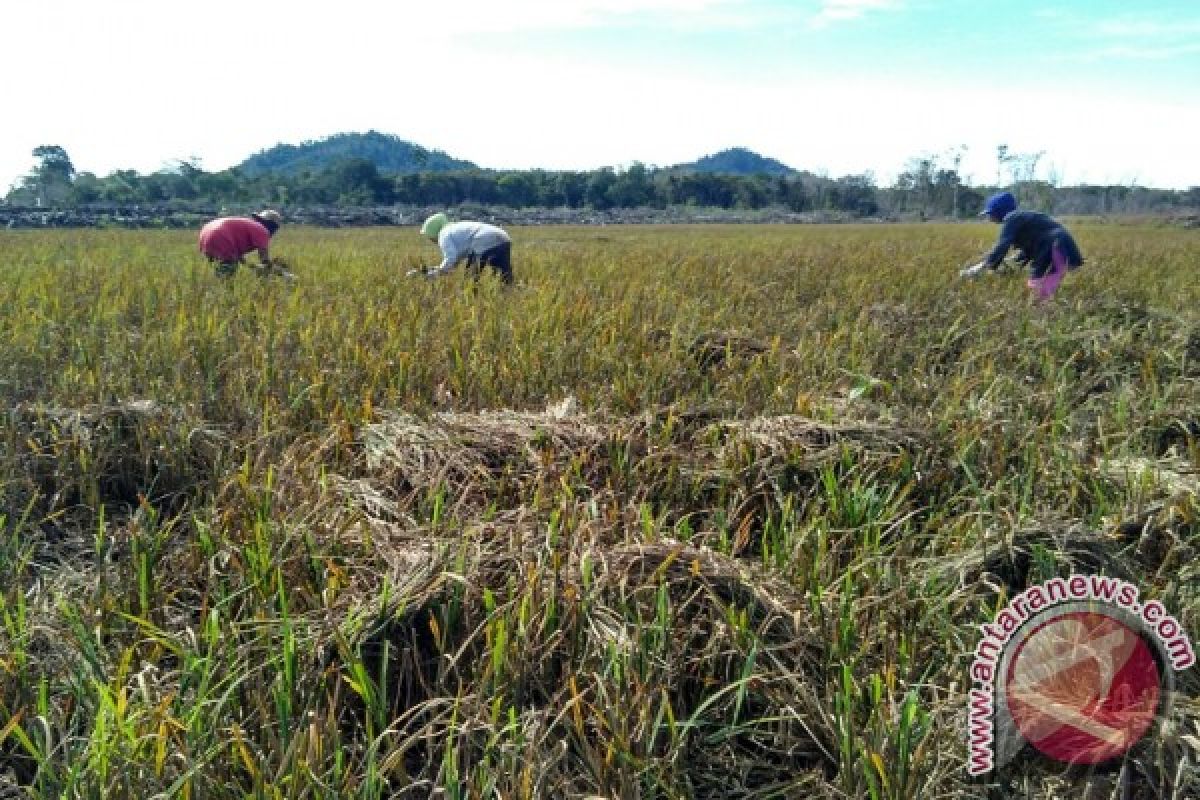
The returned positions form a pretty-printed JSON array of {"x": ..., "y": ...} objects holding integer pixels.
[
  {"x": 357, "y": 182},
  {"x": 217, "y": 187},
  {"x": 753, "y": 191},
  {"x": 955, "y": 155},
  {"x": 123, "y": 187},
  {"x": 50, "y": 181},
  {"x": 597, "y": 195},
  {"x": 712, "y": 190},
  {"x": 517, "y": 189},
  {"x": 477, "y": 186},
  {"x": 970, "y": 201},
  {"x": 571, "y": 188},
  {"x": 155, "y": 188},
  {"x": 791, "y": 193},
  {"x": 407, "y": 188},
  {"x": 946, "y": 183},
  {"x": 1002, "y": 161},
  {"x": 87, "y": 189},
  {"x": 857, "y": 194},
  {"x": 632, "y": 188},
  {"x": 439, "y": 188},
  {"x": 54, "y": 163},
  {"x": 1018, "y": 168},
  {"x": 917, "y": 182},
  {"x": 182, "y": 177},
  {"x": 1024, "y": 170}
]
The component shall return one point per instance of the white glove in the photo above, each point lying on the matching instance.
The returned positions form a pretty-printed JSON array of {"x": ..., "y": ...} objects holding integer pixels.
[{"x": 972, "y": 271}]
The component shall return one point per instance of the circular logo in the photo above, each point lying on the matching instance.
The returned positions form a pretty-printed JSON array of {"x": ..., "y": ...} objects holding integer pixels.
[{"x": 1083, "y": 687}]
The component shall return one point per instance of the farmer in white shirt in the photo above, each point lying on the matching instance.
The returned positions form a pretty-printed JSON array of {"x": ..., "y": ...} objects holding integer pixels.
[{"x": 482, "y": 245}]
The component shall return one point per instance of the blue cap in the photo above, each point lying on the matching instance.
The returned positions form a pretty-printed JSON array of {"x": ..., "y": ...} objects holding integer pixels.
[{"x": 999, "y": 205}]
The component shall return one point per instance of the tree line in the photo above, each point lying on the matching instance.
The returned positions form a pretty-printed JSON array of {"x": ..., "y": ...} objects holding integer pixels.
[{"x": 930, "y": 187}]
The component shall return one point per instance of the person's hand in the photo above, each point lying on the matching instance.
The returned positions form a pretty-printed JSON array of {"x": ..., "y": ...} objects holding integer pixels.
[{"x": 973, "y": 271}]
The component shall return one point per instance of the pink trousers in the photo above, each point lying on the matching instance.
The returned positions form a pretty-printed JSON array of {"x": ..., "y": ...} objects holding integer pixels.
[{"x": 1045, "y": 286}]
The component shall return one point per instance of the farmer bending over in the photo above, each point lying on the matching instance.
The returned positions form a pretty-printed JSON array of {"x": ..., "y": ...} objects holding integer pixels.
[
  {"x": 480, "y": 244},
  {"x": 228, "y": 240},
  {"x": 1043, "y": 243}
]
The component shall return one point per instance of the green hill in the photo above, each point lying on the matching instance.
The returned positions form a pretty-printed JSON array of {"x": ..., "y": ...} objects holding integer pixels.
[
  {"x": 737, "y": 161},
  {"x": 387, "y": 152}
]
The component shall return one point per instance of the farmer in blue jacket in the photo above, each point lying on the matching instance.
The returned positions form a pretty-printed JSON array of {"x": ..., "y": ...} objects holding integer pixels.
[{"x": 1042, "y": 241}]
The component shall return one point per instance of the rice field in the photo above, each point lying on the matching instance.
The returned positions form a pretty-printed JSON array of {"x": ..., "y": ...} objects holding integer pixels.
[{"x": 707, "y": 511}]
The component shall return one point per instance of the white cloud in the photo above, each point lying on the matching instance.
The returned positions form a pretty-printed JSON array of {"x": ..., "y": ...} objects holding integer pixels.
[
  {"x": 1140, "y": 38},
  {"x": 1136, "y": 52},
  {"x": 1130, "y": 27},
  {"x": 832, "y": 11},
  {"x": 488, "y": 16}
]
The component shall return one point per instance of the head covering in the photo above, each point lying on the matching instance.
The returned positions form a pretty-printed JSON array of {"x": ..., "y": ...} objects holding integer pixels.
[
  {"x": 999, "y": 205},
  {"x": 433, "y": 226},
  {"x": 271, "y": 220}
]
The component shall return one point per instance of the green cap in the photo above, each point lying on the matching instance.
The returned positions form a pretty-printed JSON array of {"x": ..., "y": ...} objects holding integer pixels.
[{"x": 433, "y": 226}]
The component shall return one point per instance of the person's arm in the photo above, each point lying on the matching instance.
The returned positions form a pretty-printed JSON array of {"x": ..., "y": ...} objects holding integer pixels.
[
  {"x": 995, "y": 257},
  {"x": 1007, "y": 235},
  {"x": 259, "y": 238},
  {"x": 451, "y": 255}
]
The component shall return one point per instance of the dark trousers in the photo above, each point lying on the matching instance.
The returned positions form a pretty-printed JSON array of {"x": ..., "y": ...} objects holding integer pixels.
[
  {"x": 1043, "y": 259},
  {"x": 498, "y": 258}
]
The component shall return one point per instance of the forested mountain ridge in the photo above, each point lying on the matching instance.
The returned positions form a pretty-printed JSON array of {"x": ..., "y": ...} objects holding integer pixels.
[
  {"x": 387, "y": 152},
  {"x": 737, "y": 161},
  {"x": 362, "y": 173}
]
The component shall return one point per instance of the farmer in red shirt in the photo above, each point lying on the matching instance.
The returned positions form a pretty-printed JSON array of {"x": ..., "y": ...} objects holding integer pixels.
[{"x": 228, "y": 240}]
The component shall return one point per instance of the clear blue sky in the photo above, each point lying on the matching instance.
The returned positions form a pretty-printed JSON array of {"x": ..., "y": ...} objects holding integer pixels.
[{"x": 1110, "y": 91}]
